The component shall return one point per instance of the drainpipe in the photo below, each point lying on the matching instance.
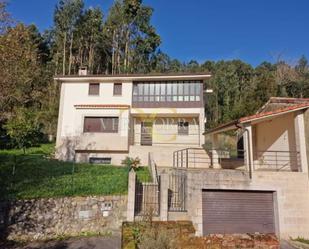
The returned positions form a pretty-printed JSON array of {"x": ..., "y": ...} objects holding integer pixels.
[{"x": 249, "y": 153}]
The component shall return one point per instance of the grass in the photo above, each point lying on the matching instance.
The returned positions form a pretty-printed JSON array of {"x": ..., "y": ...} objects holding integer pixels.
[
  {"x": 302, "y": 240},
  {"x": 36, "y": 175}
]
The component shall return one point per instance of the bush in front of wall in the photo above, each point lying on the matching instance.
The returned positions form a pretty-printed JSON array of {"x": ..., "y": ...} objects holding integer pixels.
[{"x": 131, "y": 162}]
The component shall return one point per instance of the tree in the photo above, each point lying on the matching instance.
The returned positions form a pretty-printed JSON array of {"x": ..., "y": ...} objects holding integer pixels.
[
  {"x": 5, "y": 18},
  {"x": 23, "y": 129},
  {"x": 90, "y": 43},
  {"x": 133, "y": 40},
  {"x": 20, "y": 70},
  {"x": 264, "y": 84},
  {"x": 67, "y": 14}
]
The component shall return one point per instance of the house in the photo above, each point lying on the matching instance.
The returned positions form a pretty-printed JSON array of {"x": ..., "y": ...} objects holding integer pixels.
[
  {"x": 104, "y": 118},
  {"x": 260, "y": 186}
]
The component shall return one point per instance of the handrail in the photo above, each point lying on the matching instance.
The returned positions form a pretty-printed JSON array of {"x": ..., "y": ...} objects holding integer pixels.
[
  {"x": 153, "y": 168},
  {"x": 183, "y": 158}
]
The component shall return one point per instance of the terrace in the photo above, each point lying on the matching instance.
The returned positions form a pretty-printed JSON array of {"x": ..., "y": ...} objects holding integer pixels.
[{"x": 267, "y": 141}]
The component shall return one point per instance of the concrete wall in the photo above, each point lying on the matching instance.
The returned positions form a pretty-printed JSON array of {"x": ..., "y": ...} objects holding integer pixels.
[
  {"x": 116, "y": 157},
  {"x": 77, "y": 94},
  {"x": 162, "y": 155},
  {"x": 165, "y": 131},
  {"x": 306, "y": 121},
  {"x": 70, "y": 135},
  {"x": 291, "y": 190},
  {"x": 276, "y": 134},
  {"x": 74, "y": 138}
]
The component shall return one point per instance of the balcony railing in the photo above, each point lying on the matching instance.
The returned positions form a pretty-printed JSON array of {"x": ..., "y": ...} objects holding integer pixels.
[
  {"x": 277, "y": 160},
  {"x": 235, "y": 159}
]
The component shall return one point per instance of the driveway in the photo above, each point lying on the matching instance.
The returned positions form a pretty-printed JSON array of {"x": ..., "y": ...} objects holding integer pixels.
[{"x": 75, "y": 243}]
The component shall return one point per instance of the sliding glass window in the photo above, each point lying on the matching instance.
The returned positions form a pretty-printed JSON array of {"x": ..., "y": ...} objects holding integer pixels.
[{"x": 172, "y": 91}]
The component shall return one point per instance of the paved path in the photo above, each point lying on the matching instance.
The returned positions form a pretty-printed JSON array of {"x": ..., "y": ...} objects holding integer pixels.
[
  {"x": 76, "y": 243},
  {"x": 286, "y": 245}
]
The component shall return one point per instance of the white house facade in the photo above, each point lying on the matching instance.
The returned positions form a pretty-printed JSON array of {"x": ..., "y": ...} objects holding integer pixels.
[{"x": 103, "y": 119}]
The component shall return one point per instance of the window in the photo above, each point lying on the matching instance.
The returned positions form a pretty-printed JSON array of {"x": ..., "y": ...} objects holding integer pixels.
[
  {"x": 167, "y": 91},
  {"x": 94, "y": 89},
  {"x": 101, "y": 124},
  {"x": 100, "y": 160},
  {"x": 117, "y": 89},
  {"x": 183, "y": 128}
]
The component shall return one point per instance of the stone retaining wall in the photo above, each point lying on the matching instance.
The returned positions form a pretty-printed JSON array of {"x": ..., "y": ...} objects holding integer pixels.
[{"x": 69, "y": 216}]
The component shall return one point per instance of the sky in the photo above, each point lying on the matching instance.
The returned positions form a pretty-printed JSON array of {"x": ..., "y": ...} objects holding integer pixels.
[{"x": 250, "y": 30}]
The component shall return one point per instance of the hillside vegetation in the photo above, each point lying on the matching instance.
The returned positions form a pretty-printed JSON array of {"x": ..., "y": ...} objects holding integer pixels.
[{"x": 36, "y": 175}]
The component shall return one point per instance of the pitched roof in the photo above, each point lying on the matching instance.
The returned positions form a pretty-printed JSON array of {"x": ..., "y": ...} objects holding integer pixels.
[
  {"x": 275, "y": 103},
  {"x": 291, "y": 105},
  {"x": 271, "y": 113}
]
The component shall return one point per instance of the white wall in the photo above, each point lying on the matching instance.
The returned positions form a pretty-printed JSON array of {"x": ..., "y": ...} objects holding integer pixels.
[
  {"x": 274, "y": 143},
  {"x": 165, "y": 131},
  {"x": 77, "y": 93},
  {"x": 70, "y": 135},
  {"x": 276, "y": 134}
]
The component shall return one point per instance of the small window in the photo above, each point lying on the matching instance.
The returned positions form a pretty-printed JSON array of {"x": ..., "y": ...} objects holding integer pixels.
[
  {"x": 100, "y": 160},
  {"x": 94, "y": 89},
  {"x": 117, "y": 88},
  {"x": 101, "y": 124},
  {"x": 183, "y": 128}
]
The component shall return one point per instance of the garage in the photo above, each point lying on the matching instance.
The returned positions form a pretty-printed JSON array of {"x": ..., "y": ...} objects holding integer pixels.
[{"x": 232, "y": 211}]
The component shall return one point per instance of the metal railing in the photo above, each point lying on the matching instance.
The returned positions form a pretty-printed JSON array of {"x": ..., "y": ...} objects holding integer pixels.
[
  {"x": 191, "y": 158},
  {"x": 153, "y": 168},
  {"x": 177, "y": 192},
  {"x": 147, "y": 199},
  {"x": 277, "y": 160},
  {"x": 201, "y": 158},
  {"x": 232, "y": 159}
]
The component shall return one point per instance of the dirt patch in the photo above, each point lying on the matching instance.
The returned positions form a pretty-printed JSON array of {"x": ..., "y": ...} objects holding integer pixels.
[{"x": 180, "y": 235}]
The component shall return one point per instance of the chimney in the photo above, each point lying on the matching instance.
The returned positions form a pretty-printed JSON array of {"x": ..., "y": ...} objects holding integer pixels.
[{"x": 82, "y": 71}]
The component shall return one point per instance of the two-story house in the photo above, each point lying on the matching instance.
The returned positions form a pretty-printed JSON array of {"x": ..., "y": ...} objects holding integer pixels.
[{"x": 103, "y": 119}]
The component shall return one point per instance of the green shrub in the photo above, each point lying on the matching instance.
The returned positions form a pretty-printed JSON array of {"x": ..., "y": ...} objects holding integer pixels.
[{"x": 131, "y": 162}]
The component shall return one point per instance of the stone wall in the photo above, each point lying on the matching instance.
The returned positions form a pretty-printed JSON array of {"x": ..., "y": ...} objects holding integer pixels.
[{"x": 48, "y": 218}]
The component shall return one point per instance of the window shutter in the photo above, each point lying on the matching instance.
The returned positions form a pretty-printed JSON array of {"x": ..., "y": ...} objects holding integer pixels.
[
  {"x": 94, "y": 89},
  {"x": 117, "y": 88}
]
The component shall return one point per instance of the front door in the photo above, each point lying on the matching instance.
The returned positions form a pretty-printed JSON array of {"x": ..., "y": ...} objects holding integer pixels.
[{"x": 146, "y": 133}]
